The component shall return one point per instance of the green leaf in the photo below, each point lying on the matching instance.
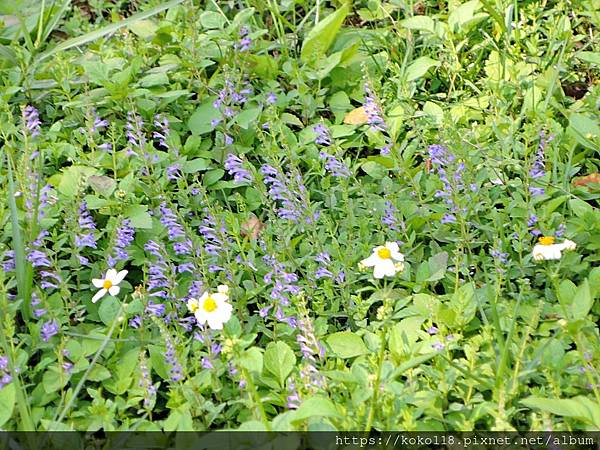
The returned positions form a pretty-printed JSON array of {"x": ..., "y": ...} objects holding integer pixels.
[
  {"x": 103, "y": 185},
  {"x": 316, "y": 407},
  {"x": 579, "y": 407},
  {"x": 585, "y": 129},
  {"x": 462, "y": 15},
  {"x": 423, "y": 23},
  {"x": 247, "y": 117},
  {"x": 279, "y": 360},
  {"x": 145, "y": 29},
  {"x": 53, "y": 381},
  {"x": 583, "y": 301},
  {"x": 99, "y": 373},
  {"x": 73, "y": 179},
  {"x": 590, "y": 57},
  {"x": 139, "y": 216},
  {"x": 437, "y": 264},
  {"x": 320, "y": 38},
  {"x": 346, "y": 344},
  {"x": 252, "y": 360},
  {"x": 109, "y": 308},
  {"x": 212, "y": 176},
  {"x": 580, "y": 207},
  {"x": 374, "y": 169},
  {"x": 195, "y": 165},
  {"x": 212, "y": 20},
  {"x": 199, "y": 122},
  {"x": 419, "y": 67},
  {"x": 7, "y": 402}
]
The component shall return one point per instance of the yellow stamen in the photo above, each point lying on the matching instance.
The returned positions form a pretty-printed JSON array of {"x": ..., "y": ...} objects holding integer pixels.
[
  {"x": 107, "y": 284},
  {"x": 546, "y": 240},
  {"x": 384, "y": 253},
  {"x": 194, "y": 307},
  {"x": 209, "y": 304}
]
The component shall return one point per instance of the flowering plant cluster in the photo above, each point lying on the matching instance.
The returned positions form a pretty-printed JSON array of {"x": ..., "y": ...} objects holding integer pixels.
[{"x": 272, "y": 219}]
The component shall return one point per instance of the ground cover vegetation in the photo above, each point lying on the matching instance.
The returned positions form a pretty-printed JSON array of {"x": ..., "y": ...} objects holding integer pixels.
[{"x": 299, "y": 215}]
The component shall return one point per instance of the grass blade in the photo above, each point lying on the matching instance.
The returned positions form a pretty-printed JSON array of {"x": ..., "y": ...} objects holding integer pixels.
[
  {"x": 23, "y": 286},
  {"x": 93, "y": 35}
]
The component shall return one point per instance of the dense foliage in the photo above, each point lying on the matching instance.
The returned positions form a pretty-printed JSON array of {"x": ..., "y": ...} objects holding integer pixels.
[{"x": 291, "y": 215}]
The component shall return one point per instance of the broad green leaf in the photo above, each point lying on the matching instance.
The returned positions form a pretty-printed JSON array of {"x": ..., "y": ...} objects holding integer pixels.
[
  {"x": 109, "y": 308},
  {"x": 346, "y": 344},
  {"x": 7, "y": 402},
  {"x": 73, "y": 179},
  {"x": 252, "y": 360},
  {"x": 419, "y": 67},
  {"x": 462, "y": 15},
  {"x": 423, "y": 23},
  {"x": 145, "y": 29},
  {"x": 199, "y": 122},
  {"x": 320, "y": 38},
  {"x": 139, "y": 216},
  {"x": 374, "y": 169},
  {"x": 580, "y": 207},
  {"x": 585, "y": 129},
  {"x": 53, "y": 381},
  {"x": 583, "y": 301},
  {"x": 212, "y": 176},
  {"x": 247, "y": 117},
  {"x": 279, "y": 359},
  {"x": 437, "y": 264},
  {"x": 195, "y": 165},
  {"x": 316, "y": 407},
  {"x": 212, "y": 20},
  {"x": 403, "y": 335},
  {"x": 590, "y": 57},
  {"x": 99, "y": 373},
  {"x": 103, "y": 185},
  {"x": 579, "y": 407}
]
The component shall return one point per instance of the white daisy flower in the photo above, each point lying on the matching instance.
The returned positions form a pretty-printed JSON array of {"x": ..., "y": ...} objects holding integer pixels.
[
  {"x": 386, "y": 259},
  {"x": 109, "y": 284},
  {"x": 546, "y": 249},
  {"x": 212, "y": 309}
]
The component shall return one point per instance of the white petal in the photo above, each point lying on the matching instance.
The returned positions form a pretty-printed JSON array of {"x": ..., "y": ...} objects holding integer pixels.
[
  {"x": 97, "y": 282},
  {"x": 110, "y": 275},
  {"x": 215, "y": 323},
  {"x": 200, "y": 316},
  {"x": 114, "y": 290},
  {"x": 119, "y": 277},
  {"x": 202, "y": 298},
  {"x": 389, "y": 268},
  {"x": 223, "y": 289},
  {"x": 569, "y": 245},
  {"x": 392, "y": 247},
  {"x": 371, "y": 260},
  {"x": 397, "y": 256},
  {"x": 101, "y": 293},
  {"x": 220, "y": 298}
]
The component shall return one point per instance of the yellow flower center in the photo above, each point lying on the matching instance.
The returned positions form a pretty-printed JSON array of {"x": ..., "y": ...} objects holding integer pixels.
[
  {"x": 107, "y": 284},
  {"x": 547, "y": 240},
  {"x": 194, "y": 307},
  {"x": 209, "y": 304},
  {"x": 384, "y": 253}
]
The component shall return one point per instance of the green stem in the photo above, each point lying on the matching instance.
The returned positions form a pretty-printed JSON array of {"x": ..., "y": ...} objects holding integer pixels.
[
  {"x": 256, "y": 399},
  {"x": 91, "y": 366},
  {"x": 380, "y": 358}
]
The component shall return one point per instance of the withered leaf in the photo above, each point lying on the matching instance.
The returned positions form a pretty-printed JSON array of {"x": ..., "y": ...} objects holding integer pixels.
[
  {"x": 591, "y": 179},
  {"x": 252, "y": 227},
  {"x": 357, "y": 116}
]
